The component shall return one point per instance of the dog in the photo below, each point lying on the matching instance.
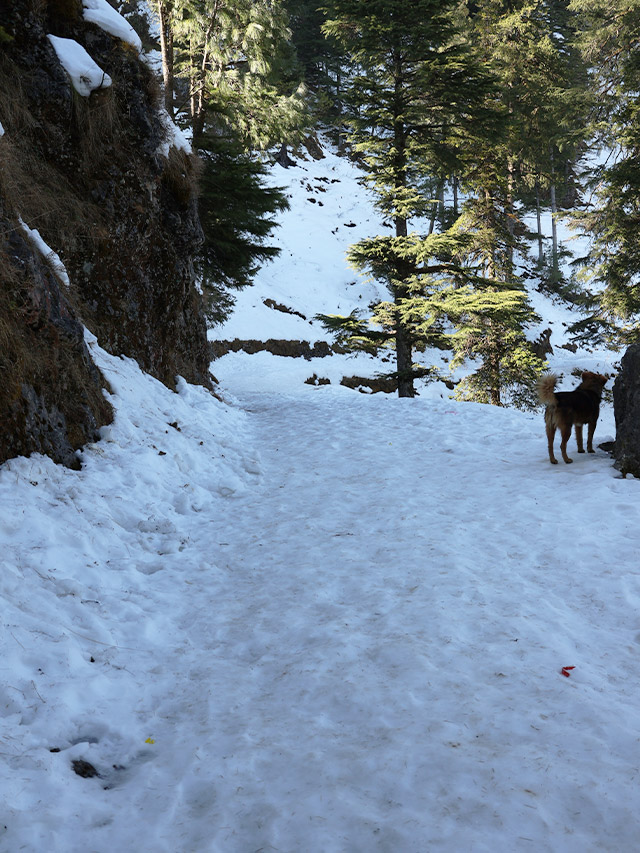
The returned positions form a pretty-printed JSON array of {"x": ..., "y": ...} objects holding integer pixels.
[{"x": 568, "y": 408}]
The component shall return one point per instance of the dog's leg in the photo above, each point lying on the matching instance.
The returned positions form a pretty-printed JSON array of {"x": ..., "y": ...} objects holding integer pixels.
[
  {"x": 579, "y": 438},
  {"x": 565, "y": 432},
  {"x": 551, "y": 431},
  {"x": 590, "y": 431}
]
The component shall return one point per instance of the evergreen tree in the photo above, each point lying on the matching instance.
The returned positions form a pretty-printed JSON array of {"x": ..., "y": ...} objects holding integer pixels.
[
  {"x": 416, "y": 93},
  {"x": 236, "y": 209},
  {"x": 230, "y": 78},
  {"x": 543, "y": 85},
  {"x": 490, "y": 311},
  {"x": 543, "y": 108},
  {"x": 318, "y": 54},
  {"x": 237, "y": 58},
  {"x": 609, "y": 38}
]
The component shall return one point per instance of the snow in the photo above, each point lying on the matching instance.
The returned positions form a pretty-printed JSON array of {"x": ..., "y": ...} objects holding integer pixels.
[
  {"x": 85, "y": 74},
  {"x": 329, "y": 210},
  {"x": 305, "y": 618},
  {"x": 174, "y": 136},
  {"x": 51, "y": 257},
  {"x": 105, "y": 16}
]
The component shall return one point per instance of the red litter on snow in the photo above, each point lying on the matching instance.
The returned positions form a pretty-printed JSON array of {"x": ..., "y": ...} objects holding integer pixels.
[{"x": 566, "y": 670}]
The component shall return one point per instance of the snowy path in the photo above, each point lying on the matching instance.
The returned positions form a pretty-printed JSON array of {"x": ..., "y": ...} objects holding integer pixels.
[
  {"x": 380, "y": 659},
  {"x": 358, "y": 649},
  {"x": 397, "y": 632}
]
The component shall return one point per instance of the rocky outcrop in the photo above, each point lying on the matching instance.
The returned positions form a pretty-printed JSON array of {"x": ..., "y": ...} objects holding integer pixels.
[
  {"x": 626, "y": 406},
  {"x": 98, "y": 177},
  {"x": 51, "y": 398}
]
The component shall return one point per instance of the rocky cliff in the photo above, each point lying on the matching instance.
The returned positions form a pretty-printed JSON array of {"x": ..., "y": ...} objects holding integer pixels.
[{"x": 98, "y": 226}]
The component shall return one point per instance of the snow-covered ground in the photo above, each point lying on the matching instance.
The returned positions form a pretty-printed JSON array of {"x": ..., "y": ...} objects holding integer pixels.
[{"x": 309, "y": 619}]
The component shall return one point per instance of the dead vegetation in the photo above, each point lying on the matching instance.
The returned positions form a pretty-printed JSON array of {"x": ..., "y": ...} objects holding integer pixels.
[{"x": 31, "y": 186}]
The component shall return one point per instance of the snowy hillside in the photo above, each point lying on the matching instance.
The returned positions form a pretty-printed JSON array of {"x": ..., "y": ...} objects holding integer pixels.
[
  {"x": 309, "y": 619},
  {"x": 330, "y": 210}
]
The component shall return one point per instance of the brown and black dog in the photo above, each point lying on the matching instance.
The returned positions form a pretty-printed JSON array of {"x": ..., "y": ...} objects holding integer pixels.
[{"x": 568, "y": 408}]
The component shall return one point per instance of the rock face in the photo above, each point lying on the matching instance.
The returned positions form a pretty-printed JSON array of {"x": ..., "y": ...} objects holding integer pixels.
[
  {"x": 97, "y": 176},
  {"x": 51, "y": 397},
  {"x": 626, "y": 407}
]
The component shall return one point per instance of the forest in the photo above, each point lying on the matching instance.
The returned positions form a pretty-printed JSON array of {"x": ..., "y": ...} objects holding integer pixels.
[{"x": 466, "y": 119}]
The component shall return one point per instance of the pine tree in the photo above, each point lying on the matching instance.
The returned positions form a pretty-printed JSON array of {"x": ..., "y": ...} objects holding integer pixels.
[
  {"x": 237, "y": 59},
  {"x": 416, "y": 93},
  {"x": 609, "y": 39},
  {"x": 490, "y": 311},
  {"x": 236, "y": 208},
  {"x": 524, "y": 43},
  {"x": 230, "y": 78},
  {"x": 544, "y": 91},
  {"x": 319, "y": 55}
]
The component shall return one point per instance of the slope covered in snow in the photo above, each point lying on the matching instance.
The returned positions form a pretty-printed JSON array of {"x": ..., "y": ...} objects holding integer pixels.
[
  {"x": 330, "y": 208},
  {"x": 306, "y": 618}
]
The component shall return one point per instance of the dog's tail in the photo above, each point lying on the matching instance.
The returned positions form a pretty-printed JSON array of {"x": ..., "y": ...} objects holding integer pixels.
[{"x": 546, "y": 387}]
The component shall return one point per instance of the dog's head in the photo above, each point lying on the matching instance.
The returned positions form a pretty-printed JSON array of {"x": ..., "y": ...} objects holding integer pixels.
[{"x": 594, "y": 381}]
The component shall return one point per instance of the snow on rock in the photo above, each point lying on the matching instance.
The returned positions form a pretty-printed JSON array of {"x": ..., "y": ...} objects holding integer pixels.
[
  {"x": 51, "y": 257},
  {"x": 105, "y": 16},
  {"x": 85, "y": 74},
  {"x": 175, "y": 136}
]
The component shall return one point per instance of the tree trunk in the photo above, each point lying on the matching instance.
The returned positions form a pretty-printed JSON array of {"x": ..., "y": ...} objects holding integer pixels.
[
  {"x": 283, "y": 157},
  {"x": 404, "y": 361},
  {"x": 197, "y": 126},
  {"x": 554, "y": 227},
  {"x": 494, "y": 366},
  {"x": 404, "y": 343},
  {"x": 509, "y": 211},
  {"x": 490, "y": 261},
  {"x": 436, "y": 205},
  {"x": 166, "y": 49},
  {"x": 441, "y": 214},
  {"x": 539, "y": 223}
]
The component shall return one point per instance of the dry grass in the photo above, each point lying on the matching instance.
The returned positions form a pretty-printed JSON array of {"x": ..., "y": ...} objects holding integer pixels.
[
  {"x": 62, "y": 10},
  {"x": 30, "y": 186},
  {"x": 181, "y": 175}
]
